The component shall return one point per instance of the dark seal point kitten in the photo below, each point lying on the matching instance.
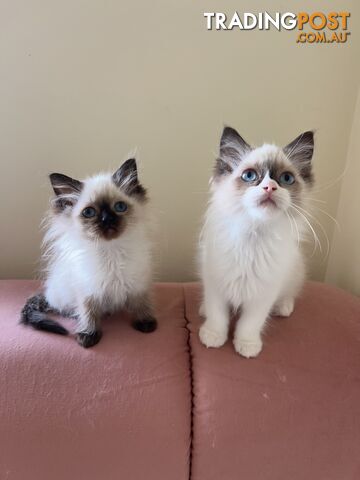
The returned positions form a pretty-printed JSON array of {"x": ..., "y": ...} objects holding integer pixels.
[{"x": 97, "y": 254}]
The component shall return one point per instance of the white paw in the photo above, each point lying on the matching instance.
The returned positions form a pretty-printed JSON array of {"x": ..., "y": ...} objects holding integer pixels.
[
  {"x": 202, "y": 310},
  {"x": 284, "y": 308},
  {"x": 212, "y": 338},
  {"x": 248, "y": 349}
]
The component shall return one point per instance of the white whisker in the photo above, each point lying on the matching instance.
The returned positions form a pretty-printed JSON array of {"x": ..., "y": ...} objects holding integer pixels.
[
  {"x": 321, "y": 227},
  {"x": 316, "y": 238}
]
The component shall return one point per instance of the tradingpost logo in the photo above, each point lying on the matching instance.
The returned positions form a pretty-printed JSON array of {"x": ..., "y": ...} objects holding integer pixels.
[{"x": 311, "y": 27}]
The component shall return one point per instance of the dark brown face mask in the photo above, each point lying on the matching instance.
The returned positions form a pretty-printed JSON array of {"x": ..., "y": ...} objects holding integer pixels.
[
  {"x": 108, "y": 222},
  {"x": 105, "y": 218}
]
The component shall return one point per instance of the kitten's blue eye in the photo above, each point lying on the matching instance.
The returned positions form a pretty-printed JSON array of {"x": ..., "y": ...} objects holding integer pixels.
[
  {"x": 287, "y": 178},
  {"x": 89, "y": 212},
  {"x": 249, "y": 175},
  {"x": 120, "y": 207}
]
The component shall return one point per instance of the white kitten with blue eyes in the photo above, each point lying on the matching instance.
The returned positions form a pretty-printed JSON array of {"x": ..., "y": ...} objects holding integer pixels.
[
  {"x": 249, "y": 248},
  {"x": 98, "y": 254}
]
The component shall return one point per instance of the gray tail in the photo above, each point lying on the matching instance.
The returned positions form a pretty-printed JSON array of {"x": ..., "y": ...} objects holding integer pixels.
[{"x": 35, "y": 312}]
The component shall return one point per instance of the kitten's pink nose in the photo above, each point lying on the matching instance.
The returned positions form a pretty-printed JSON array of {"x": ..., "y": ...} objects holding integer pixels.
[{"x": 270, "y": 186}]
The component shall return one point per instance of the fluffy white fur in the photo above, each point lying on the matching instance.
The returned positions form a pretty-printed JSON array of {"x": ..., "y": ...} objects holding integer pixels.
[
  {"x": 107, "y": 271},
  {"x": 249, "y": 253}
]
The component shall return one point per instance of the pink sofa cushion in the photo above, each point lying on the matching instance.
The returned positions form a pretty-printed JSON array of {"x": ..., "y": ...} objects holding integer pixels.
[
  {"x": 123, "y": 409},
  {"x": 293, "y": 412},
  {"x": 118, "y": 410}
]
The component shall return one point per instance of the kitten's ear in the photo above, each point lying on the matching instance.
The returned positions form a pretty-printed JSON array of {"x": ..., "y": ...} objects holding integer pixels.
[
  {"x": 232, "y": 148},
  {"x": 300, "y": 152},
  {"x": 64, "y": 185},
  {"x": 231, "y": 137},
  {"x": 126, "y": 178}
]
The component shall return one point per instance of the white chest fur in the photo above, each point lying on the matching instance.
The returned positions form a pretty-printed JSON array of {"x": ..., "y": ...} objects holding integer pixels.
[
  {"x": 107, "y": 271},
  {"x": 245, "y": 262}
]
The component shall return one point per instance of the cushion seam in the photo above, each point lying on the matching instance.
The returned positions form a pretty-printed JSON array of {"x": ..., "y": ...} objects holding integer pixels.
[{"x": 191, "y": 378}]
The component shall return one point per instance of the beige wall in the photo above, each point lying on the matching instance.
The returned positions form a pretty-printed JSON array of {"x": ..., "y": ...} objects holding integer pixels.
[
  {"x": 344, "y": 263},
  {"x": 84, "y": 82}
]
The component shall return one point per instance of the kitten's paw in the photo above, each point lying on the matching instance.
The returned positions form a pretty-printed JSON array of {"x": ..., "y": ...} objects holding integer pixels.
[
  {"x": 145, "y": 325},
  {"x": 88, "y": 340},
  {"x": 248, "y": 349},
  {"x": 202, "y": 310},
  {"x": 284, "y": 307},
  {"x": 212, "y": 338}
]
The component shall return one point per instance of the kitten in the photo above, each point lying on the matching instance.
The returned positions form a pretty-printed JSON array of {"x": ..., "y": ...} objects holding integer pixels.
[
  {"x": 249, "y": 247},
  {"x": 98, "y": 254}
]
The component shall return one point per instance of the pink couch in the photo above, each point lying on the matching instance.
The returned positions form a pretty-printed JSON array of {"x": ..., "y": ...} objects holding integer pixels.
[{"x": 163, "y": 407}]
